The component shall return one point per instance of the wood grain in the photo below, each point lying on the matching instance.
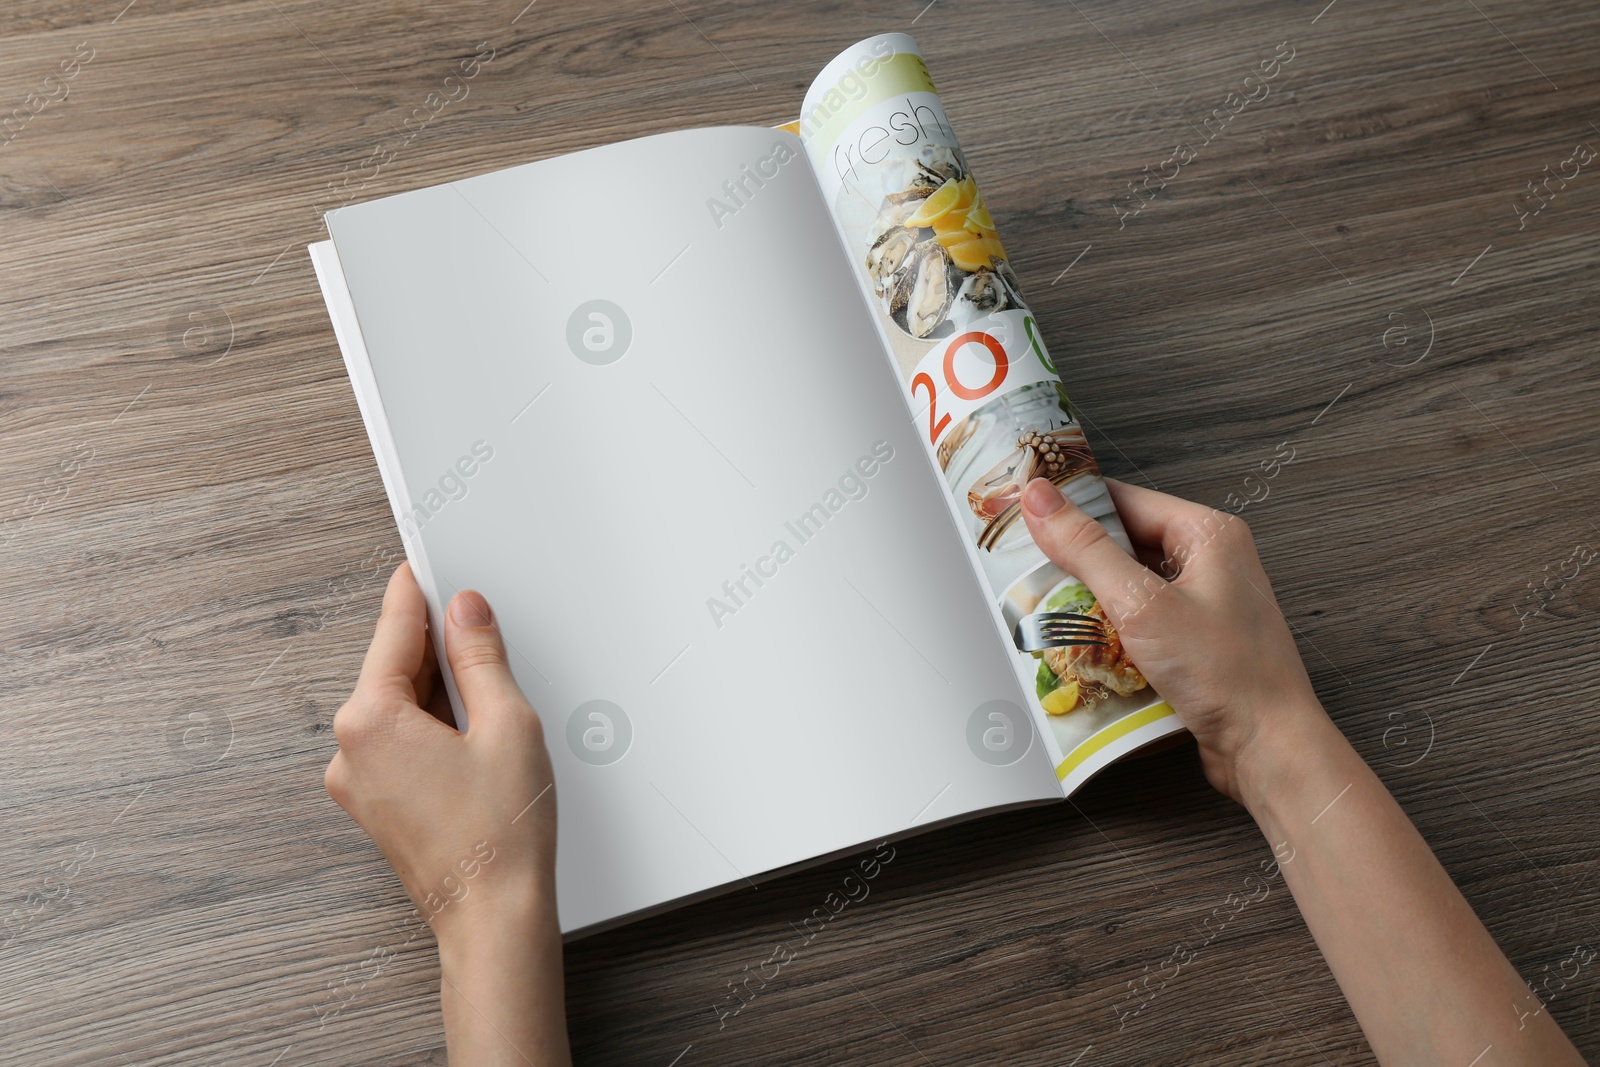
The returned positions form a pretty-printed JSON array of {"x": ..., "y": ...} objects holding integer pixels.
[{"x": 193, "y": 518}]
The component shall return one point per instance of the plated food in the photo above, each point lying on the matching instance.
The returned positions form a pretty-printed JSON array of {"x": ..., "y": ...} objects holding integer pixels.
[{"x": 1083, "y": 675}]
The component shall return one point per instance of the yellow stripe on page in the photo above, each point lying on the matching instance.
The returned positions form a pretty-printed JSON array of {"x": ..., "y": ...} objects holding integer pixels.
[{"x": 1117, "y": 730}]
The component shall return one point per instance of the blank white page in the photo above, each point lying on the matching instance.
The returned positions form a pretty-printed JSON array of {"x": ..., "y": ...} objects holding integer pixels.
[{"x": 825, "y": 706}]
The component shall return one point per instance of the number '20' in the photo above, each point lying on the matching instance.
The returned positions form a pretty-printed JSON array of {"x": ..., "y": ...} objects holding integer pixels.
[{"x": 937, "y": 422}]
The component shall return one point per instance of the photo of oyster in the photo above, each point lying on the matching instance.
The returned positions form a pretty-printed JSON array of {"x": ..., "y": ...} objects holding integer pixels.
[
  {"x": 987, "y": 291},
  {"x": 929, "y": 174},
  {"x": 923, "y": 290},
  {"x": 934, "y": 257},
  {"x": 888, "y": 254}
]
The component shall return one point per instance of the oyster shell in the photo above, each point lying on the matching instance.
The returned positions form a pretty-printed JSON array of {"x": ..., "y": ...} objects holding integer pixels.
[
  {"x": 895, "y": 214},
  {"x": 945, "y": 161},
  {"x": 985, "y": 292},
  {"x": 1008, "y": 278},
  {"x": 927, "y": 175},
  {"x": 889, "y": 254},
  {"x": 924, "y": 290},
  {"x": 912, "y": 195}
]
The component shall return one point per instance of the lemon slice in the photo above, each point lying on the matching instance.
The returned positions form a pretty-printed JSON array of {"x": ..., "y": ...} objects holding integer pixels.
[
  {"x": 970, "y": 255},
  {"x": 967, "y": 198},
  {"x": 975, "y": 253},
  {"x": 979, "y": 218},
  {"x": 1062, "y": 700},
  {"x": 936, "y": 204}
]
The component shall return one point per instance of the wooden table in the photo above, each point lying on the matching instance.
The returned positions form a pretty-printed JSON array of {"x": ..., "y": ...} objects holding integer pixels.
[{"x": 195, "y": 533}]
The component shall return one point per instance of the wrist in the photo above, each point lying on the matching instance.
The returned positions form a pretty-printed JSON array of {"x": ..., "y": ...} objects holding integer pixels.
[
  {"x": 1281, "y": 751},
  {"x": 475, "y": 933},
  {"x": 501, "y": 983}
]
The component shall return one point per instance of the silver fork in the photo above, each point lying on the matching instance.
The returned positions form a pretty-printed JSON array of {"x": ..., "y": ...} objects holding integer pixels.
[{"x": 1058, "y": 629}]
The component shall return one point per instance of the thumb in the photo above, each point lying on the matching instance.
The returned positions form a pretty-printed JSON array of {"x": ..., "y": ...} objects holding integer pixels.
[
  {"x": 477, "y": 655},
  {"x": 1084, "y": 549}
]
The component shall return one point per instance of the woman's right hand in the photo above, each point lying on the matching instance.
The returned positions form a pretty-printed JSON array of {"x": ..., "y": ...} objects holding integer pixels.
[
  {"x": 1197, "y": 616},
  {"x": 1426, "y": 981}
]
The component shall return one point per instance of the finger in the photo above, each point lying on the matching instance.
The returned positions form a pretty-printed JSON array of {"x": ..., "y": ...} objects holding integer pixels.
[
  {"x": 400, "y": 642},
  {"x": 1084, "y": 549},
  {"x": 477, "y": 656},
  {"x": 1153, "y": 518},
  {"x": 1175, "y": 527}
]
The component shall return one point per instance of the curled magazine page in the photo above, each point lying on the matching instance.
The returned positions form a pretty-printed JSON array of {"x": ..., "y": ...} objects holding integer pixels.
[{"x": 987, "y": 400}]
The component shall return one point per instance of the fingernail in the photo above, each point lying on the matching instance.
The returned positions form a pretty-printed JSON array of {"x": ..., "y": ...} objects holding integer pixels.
[
  {"x": 470, "y": 609},
  {"x": 1042, "y": 498}
]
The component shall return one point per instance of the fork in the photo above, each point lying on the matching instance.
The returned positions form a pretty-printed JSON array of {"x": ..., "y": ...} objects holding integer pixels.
[{"x": 1058, "y": 629}]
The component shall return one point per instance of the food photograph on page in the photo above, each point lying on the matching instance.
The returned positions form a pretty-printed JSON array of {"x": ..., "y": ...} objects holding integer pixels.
[
  {"x": 1084, "y": 684},
  {"x": 989, "y": 399},
  {"x": 1025, "y": 434},
  {"x": 935, "y": 258}
]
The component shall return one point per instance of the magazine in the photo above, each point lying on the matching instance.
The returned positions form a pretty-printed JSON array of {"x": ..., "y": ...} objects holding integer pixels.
[{"x": 731, "y": 426}]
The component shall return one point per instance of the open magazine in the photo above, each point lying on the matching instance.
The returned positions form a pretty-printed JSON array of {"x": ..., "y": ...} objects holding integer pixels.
[{"x": 731, "y": 426}]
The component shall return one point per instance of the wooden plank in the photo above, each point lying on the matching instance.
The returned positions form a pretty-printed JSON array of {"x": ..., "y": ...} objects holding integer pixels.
[{"x": 213, "y": 552}]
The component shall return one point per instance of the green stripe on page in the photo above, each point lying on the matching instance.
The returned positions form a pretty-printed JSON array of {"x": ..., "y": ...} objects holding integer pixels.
[{"x": 1119, "y": 729}]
